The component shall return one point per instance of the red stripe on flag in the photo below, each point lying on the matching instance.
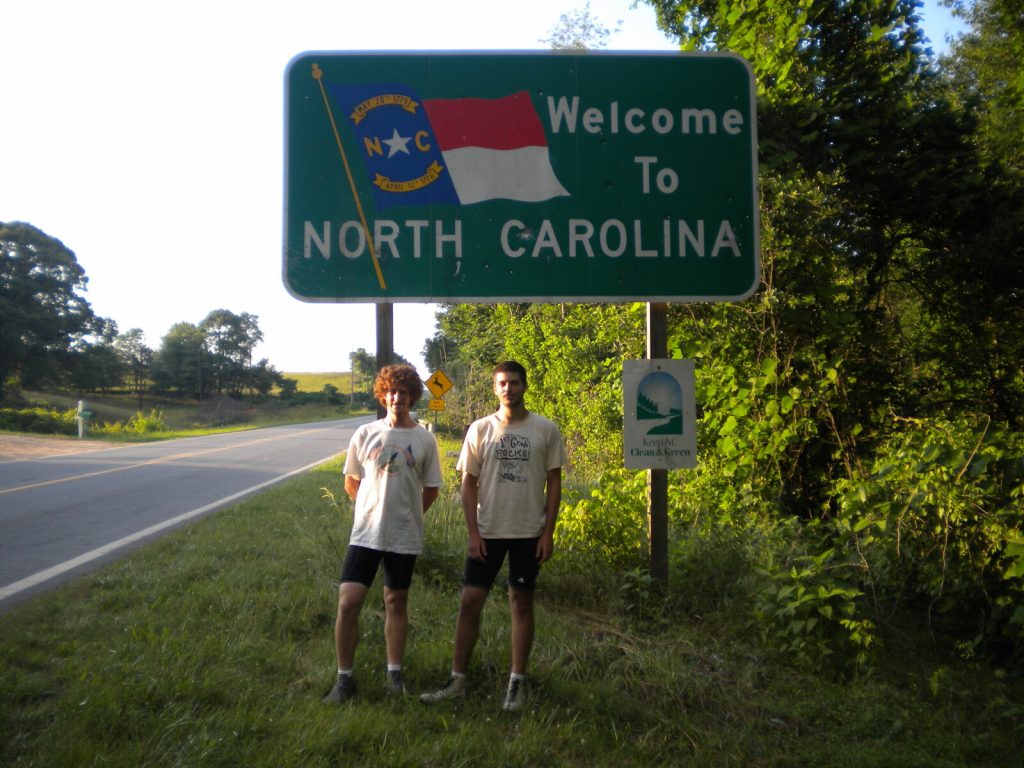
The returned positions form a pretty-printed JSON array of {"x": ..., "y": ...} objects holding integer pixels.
[{"x": 510, "y": 122}]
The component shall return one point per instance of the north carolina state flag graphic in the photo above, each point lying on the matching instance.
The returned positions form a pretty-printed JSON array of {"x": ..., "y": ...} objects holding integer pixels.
[
  {"x": 457, "y": 151},
  {"x": 494, "y": 148}
]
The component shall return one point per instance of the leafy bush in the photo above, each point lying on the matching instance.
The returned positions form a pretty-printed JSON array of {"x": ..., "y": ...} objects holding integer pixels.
[
  {"x": 810, "y": 612},
  {"x": 140, "y": 423},
  {"x": 606, "y": 525},
  {"x": 939, "y": 521},
  {"x": 712, "y": 567},
  {"x": 42, "y": 420}
]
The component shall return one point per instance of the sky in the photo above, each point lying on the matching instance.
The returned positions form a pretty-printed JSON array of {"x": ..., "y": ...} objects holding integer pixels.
[{"x": 148, "y": 137}]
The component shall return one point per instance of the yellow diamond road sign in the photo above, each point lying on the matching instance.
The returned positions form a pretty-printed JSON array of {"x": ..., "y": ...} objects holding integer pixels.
[{"x": 438, "y": 384}]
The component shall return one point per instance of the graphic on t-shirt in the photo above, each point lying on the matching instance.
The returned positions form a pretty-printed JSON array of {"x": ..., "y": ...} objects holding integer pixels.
[
  {"x": 512, "y": 453},
  {"x": 386, "y": 457}
]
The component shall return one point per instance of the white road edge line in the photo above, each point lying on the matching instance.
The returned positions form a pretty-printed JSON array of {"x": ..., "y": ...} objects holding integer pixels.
[{"x": 38, "y": 578}]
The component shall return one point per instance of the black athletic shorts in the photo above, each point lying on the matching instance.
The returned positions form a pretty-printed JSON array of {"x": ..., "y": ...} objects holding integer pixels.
[
  {"x": 523, "y": 565},
  {"x": 361, "y": 566}
]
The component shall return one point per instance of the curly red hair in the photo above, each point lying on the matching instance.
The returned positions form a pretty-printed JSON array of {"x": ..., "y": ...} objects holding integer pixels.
[{"x": 401, "y": 376}]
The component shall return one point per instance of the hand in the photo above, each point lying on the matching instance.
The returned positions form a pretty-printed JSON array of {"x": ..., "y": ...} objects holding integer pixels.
[
  {"x": 476, "y": 549},
  {"x": 545, "y": 548}
]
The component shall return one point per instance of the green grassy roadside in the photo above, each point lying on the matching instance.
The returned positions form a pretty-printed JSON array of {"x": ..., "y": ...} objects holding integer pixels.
[
  {"x": 192, "y": 419},
  {"x": 315, "y": 382},
  {"x": 213, "y": 647}
]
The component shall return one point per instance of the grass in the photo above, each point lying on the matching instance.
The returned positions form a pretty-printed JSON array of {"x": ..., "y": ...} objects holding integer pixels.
[
  {"x": 213, "y": 647},
  {"x": 192, "y": 419},
  {"x": 315, "y": 382}
]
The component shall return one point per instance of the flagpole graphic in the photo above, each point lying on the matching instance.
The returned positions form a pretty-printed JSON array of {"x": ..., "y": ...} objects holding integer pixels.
[{"x": 318, "y": 76}]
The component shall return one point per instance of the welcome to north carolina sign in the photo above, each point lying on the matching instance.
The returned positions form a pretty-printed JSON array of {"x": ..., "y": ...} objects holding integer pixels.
[{"x": 520, "y": 177}]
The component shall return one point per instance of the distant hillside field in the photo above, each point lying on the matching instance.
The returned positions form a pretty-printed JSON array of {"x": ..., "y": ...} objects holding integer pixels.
[{"x": 314, "y": 382}]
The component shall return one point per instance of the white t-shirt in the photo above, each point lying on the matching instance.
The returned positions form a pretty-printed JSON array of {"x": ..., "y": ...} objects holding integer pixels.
[
  {"x": 393, "y": 466},
  {"x": 511, "y": 465}
]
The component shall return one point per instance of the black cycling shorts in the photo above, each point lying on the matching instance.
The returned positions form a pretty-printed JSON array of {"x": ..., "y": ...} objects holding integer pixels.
[
  {"x": 361, "y": 565},
  {"x": 523, "y": 565}
]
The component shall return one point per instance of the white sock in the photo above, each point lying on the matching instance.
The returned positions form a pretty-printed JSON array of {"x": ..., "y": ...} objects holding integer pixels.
[
  {"x": 517, "y": 676},
  {"x": 394, "y": 667},
  {"x": 346, "y": 672},
  {"x": 457, "y": 675}
]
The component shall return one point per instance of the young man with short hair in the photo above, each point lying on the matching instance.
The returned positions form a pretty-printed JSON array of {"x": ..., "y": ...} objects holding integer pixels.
[{"x": 511, "y": 465}]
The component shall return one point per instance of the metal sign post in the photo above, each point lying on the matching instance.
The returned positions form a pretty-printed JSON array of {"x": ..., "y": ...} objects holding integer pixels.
[
  {"x": 657, "y": 479},
  {"x": 385, "y": 342}
]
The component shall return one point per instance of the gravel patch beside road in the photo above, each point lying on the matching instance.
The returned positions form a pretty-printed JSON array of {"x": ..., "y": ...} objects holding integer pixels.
[{"x": 13, "y": 447}]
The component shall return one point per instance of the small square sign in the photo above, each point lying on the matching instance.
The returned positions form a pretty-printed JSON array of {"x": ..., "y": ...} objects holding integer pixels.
[{"x": 659, "y": 414}]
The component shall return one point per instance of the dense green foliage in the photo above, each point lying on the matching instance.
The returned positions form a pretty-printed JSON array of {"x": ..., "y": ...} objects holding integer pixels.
[
  {"x": 213, "y": 358},
  {"x": 42, "y": 314},
  {"x": 137, "y": 424},
  {"x": 861, "y": 416},
  {"x": 44, "y": 420}
]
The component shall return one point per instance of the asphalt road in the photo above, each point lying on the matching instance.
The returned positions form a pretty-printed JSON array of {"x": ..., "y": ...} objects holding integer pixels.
[{"x": 64, "y": 515}]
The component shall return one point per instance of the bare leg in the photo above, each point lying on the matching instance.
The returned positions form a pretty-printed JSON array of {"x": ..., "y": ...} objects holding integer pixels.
[
  {"x": 521, "y": 607},
  {"x": 467, "y": 626},
  {"x": 396, "y": 623},
  {"x": 351, "y": 596}
]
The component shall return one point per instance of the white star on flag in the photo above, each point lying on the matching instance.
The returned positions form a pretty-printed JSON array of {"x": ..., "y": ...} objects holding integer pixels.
[{"x": 397, "y": 144}]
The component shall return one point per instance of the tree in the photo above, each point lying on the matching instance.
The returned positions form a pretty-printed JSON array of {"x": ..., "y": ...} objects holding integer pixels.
[
  {"x": 986, "y": 69},
  {"x": 984, "y": 76},
  {"x": 437, "y": 351},
  {"x": 472, "y": 339},
  {"x": 851, "y": 113},
  {"x": 181, "y": 362},
  {"x": 579, "y": 31},
  {"x": 137, "y": 359},
  {"x": 866, "y": 403},
  {"x": 363, "y": 366},
  {"x": 41, "y": 311},
  {"x": 574, "y": 354},
  {"x": 231, "y": 339},
  {"x": 264, "y": 377},
  {"x": 93, "y": 363},
  {"x": 289, "y": 387}
]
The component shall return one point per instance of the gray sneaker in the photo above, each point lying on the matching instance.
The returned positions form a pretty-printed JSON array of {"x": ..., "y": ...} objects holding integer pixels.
[
  {"x": 515, "y": 697},
  {"x": 343, "y": 690},
  {"x": 396, "y": 682},
  {"x": 455, "y": 688}
]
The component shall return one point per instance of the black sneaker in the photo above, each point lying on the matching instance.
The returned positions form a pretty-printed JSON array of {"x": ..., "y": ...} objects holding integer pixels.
[
  {"x": 515, "y": 697},
  {"x": 396, "y": 682},
  {"x": 455, "y": 688},
  {"x": 343, "y": 690}
]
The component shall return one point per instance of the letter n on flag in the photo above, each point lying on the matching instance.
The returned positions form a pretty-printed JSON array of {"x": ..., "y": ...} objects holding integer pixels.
[{"x": 458, "y": 151}]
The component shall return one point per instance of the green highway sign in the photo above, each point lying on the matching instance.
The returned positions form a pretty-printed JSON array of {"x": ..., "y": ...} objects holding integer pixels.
[{"x": 480, "y": 177}]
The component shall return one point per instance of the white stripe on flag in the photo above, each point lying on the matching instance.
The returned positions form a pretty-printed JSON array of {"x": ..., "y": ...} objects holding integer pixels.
[{"x": 522, "y": 174}]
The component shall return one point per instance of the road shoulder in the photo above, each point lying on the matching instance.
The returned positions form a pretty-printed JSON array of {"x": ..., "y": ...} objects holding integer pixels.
[{"x": 14, "y": 447}]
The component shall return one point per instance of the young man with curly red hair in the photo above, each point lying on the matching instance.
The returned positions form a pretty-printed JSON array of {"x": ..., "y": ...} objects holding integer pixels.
[{"x": 392, "y": 473}]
